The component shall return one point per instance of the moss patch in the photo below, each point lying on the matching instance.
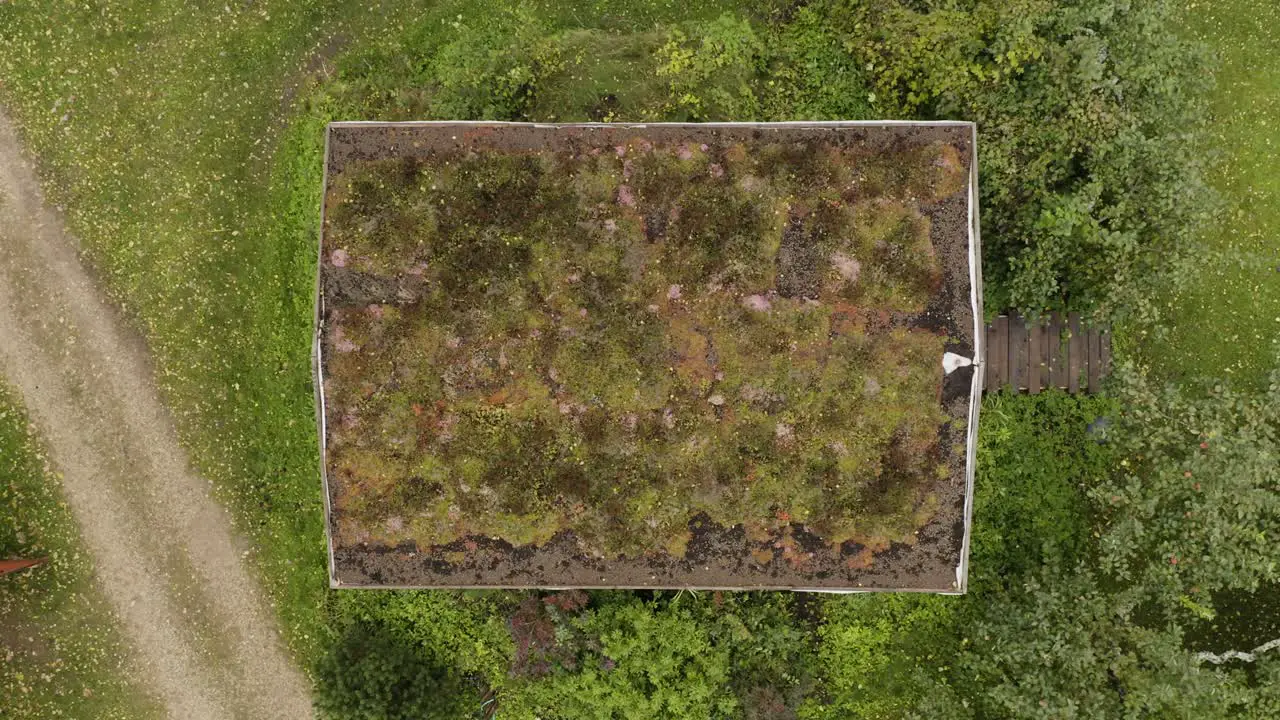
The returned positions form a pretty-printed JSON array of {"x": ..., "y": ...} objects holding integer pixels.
[{"x": 617, "y": 339}]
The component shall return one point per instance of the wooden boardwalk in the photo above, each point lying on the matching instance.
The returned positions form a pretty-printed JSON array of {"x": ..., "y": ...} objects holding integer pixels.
[{"x": 1055, "y": 352}]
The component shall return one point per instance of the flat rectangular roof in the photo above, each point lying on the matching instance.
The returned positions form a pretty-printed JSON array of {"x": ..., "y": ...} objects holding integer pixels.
[{"x": 661, "y": 355}]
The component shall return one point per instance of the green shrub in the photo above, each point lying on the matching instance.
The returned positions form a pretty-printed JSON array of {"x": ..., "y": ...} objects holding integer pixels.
[
  {"x": 1063, "y": 646},
  {"x": 688, "y": 655},
  {"x": 542, "y": 61},
  {"x": 490, "y": 67},
  {"x": 635, "y": 661},
  {"x": 1036, "y": 461},
  {"x": 1197, "y": 498},
  {"x": 1090, "y": 113},
  {"x": 811, "y": 70},
  {"x": 1090, "y": 119},
  {"x": 376, "y": 674},
  {"x": 464, "y": 630},
  {"x": 878, "y": 654},
  {"x": 711, "y": 68},
  {"x": 772, "y": 659}
]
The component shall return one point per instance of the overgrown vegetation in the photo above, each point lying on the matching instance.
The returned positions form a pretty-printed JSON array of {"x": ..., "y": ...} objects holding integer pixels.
[
  {"x": 1196, "y": 500},
  {"x": 1092, "y": 160},
  {"x": 614, "y": 341},
  {"x": 1092, "y": 169},
  {"x": 373, "y": 673},
  {"x": 61, "y": 654}
]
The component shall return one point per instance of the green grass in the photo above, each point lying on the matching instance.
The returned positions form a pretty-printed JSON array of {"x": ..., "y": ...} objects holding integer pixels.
[
  {"x": 61, "y": 655},
  {"x": 1227, "y": 321},
  {"x": 156, "y": 124}
]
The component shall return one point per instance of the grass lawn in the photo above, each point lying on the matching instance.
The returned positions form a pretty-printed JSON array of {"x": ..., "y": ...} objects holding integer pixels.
[
  {"x": 156, "y": 125},
  {"x": 1227, "y": 322},
  {"x": 60, "y": 653}
]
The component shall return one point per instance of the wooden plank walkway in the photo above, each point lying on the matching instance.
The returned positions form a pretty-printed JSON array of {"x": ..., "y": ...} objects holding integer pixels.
[{"x": 1057, "y": 352}]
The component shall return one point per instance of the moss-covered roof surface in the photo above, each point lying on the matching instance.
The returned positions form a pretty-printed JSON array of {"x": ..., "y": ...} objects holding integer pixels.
[{"x": 646, "y": 356}]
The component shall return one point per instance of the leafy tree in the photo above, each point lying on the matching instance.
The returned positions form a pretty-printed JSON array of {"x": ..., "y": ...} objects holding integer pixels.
[
  {"x": 373, "y": 674},
  {"x": 1064, "y": 646},
  {"x": 1196, "y": 501},
  {"x": 1089, "y": 117}
]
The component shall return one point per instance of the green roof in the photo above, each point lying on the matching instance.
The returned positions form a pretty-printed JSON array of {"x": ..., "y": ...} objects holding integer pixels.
[{"x": 608, "y": 355}]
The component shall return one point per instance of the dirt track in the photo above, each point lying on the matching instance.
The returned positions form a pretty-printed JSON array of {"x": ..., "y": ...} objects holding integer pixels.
[{"x": 205, "y": 640}]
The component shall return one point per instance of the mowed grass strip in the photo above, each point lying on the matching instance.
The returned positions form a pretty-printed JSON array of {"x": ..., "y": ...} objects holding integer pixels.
[
  {"x": 1227, "y": 322},
  {"x": 61, "y": 655}
]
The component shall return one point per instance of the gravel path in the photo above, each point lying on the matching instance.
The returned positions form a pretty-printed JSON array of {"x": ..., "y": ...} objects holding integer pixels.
[{"x": 166, "y": 557}]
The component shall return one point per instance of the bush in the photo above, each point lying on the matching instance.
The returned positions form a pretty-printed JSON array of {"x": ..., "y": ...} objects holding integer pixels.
[
  {"x": 375, "y": 674},
  {"x": 879, "y": 654},
  {"x": 811, "y": 72},
  {"x": 691, "y": 655},
  {"x": 1197, "y": 500},
  {"x": 634, "y": 660},
  {"x": 464, "y": 630},
  {"x": 1090, "y": 119},
  {"x": 1036, "y": 460},
  {"x": 1090, "y": 113},
  {"x": 491, "y": 66},
  {"x": 1062, "y": 646},
  {"x": 711, "y": 74}
]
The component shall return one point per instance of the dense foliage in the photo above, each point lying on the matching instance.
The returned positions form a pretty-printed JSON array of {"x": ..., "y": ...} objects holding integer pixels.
[
  {"x": 374, "y": 674},
  {"x": 880, "y": 655},
  {"x": 1092, "y": 171},
  {"x": 1036, "y": 458},
  {"x": 683, "y": 656},
  {"x": 1090, "y": 117},
  {"x": 1092, "y": 167},
  {"x": 1197, "y": 498},
  {"x": 1061, "y": 644}
]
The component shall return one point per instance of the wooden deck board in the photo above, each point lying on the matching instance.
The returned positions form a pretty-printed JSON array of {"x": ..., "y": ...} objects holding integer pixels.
[
  {"x": 1035, "y": 357},
  {"x": 1095, "y": 360},
  {"x": 1017, "y": 352},
  {"x": 991, "y": 382},
  {"x": 1075, "y": 353},
  {"x": 1057, "y": 353},
  {"x": 999, "y": 352},
  {"x": 1106, "y": 353},
  {"x": 1044, "y": 354}
]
